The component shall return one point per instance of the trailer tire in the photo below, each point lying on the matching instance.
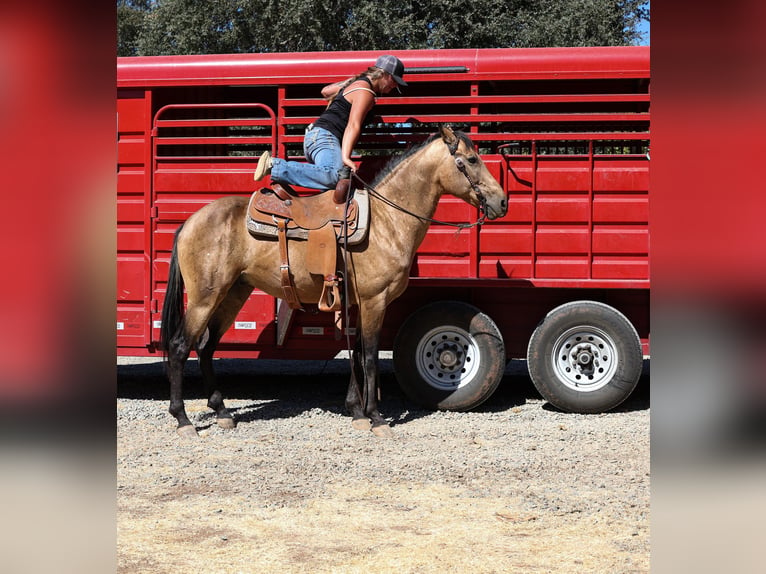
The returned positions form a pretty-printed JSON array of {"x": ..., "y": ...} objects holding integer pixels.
[
  {"x": 448, "y": 355},
  {"x": 585, "y": 357}
]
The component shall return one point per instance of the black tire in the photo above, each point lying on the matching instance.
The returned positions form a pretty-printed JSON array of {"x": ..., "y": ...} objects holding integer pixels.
[
  {"x": 449, "y": 355},
  {"x": 585, "y": 357}
]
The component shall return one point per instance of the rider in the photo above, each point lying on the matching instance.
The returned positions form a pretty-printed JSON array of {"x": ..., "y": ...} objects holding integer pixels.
[{"x": 329, "y": 141}]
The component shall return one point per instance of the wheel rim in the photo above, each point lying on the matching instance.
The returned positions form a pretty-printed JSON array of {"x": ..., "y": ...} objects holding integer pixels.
[
  {"x": 448, "y": 358},
  {"x": 585, "y": 358}
]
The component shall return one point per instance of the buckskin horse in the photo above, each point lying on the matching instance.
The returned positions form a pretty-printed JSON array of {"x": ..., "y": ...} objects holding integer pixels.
[{"x": 219, "y": 262}]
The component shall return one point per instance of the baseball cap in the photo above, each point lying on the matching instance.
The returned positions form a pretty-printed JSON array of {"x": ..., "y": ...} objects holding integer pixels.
[{"x": 393, "y": 66}]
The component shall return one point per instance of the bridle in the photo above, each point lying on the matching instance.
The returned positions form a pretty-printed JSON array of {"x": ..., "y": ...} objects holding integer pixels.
[
  {"x": 461, "y": 167},
  {"x": 475, "y": 186}
]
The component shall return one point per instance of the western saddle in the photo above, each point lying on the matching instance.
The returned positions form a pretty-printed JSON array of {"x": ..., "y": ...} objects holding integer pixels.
[{"x": 323, "y": 220}]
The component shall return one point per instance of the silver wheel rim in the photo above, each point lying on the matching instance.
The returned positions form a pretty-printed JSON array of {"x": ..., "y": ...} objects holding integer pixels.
[
  {"x": 448, "y": 358},
  {"x": 585, "y": 358}
]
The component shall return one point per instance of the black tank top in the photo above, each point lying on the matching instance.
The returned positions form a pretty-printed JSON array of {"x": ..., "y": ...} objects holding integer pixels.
[{"x": 335, "y": 118}]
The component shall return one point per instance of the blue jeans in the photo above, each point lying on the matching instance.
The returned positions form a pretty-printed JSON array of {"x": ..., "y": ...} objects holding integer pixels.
[{"x": 323, "y": 150}]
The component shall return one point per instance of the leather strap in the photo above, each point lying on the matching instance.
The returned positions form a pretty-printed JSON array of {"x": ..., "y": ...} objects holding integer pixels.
[{"x": 288, "y": 288}]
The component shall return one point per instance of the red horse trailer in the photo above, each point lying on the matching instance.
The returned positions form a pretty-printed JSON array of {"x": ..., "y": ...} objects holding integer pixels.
[{"x": 563, "y": 278}]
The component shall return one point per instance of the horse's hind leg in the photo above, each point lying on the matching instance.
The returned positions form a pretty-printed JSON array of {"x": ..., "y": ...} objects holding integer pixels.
[
  {"x": 179, "y": 348},
  {"x": 180, "y": 345},
  {"x": 217, "y": 326}
]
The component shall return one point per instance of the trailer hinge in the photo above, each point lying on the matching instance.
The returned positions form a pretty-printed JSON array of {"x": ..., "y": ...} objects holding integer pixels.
[
  {"x": 154, "y": 306},
  {"x": 154, "y": 212}
]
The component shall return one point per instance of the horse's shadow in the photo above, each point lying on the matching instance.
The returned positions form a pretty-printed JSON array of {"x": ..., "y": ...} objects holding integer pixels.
[{"x": 276, "y": 389}]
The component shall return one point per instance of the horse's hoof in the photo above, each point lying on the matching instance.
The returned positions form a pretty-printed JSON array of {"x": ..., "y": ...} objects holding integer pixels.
[
  {"x": 383, "y": 431},
  {"x": 226, "y": 423},
  {"x": 361, "y": 424},
  {"x": 187, "y": 431}
]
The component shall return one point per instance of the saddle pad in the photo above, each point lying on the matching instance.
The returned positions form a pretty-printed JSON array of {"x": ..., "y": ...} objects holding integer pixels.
[{"x": 357, "y": 234}]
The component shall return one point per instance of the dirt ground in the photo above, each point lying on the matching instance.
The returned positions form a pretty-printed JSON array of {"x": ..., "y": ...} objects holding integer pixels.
[{"x": 514, "y": 486}]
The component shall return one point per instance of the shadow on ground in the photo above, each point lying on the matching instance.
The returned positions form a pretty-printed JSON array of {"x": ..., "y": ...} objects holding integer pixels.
[{"x": 281, "y": 389}]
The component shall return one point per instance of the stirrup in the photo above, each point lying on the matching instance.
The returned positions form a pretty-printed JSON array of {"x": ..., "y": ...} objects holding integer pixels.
[{"x": 330, "y": 299}]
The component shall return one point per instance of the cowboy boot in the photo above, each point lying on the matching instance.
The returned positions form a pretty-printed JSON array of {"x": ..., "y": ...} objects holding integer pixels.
[{"x": 264, "y": 166}]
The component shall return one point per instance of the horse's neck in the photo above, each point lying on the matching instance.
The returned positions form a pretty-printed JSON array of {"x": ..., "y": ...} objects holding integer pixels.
[
  {"x": 413, "y": 189},
  {"x": 412, "y": 186}
]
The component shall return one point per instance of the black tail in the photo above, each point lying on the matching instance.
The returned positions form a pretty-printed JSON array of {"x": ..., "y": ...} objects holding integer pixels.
[{"x": 173, "y": 307}]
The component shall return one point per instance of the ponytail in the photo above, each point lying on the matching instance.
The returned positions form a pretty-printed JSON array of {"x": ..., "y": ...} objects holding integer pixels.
[{"x": 372, "y": 73}]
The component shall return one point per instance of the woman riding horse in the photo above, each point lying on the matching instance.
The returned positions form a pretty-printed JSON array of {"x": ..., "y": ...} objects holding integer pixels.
[
  {"x": 220, "y": 264},
  {"x": 329, "y": 141}
]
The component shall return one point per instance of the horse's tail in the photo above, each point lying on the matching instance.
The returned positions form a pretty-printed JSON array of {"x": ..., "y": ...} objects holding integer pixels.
[{"x": 173, "y": 307}]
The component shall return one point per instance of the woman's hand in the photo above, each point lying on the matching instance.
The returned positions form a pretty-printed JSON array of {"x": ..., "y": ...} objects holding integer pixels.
[{"x": 348, "y": 162}]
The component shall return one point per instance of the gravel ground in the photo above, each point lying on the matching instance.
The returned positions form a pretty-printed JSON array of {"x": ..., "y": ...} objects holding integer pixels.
[{"x": 514, "y": 486}]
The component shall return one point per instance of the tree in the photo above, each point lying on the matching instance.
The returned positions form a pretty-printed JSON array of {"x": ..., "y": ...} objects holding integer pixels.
[
  {"x": 130, "y": 23},
  {"x": 227, "y": 26}
]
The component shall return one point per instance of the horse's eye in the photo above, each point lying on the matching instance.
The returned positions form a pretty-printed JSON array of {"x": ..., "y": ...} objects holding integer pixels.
[{"x": 472, "y": 159}]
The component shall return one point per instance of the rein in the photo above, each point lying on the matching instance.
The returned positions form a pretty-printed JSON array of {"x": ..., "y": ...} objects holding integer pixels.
[{"x": 462, "y": 169}]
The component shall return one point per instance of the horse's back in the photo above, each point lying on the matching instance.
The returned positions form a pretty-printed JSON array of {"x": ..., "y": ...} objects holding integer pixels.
[
  {"x": 223, "y": 208},
  {"x": 215, "y": 232}
]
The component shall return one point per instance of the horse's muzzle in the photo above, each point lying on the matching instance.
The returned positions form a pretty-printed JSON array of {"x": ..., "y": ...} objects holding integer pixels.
[{"x": 495, "y": 207}]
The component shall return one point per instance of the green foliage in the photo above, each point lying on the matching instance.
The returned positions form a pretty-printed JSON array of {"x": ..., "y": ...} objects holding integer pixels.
[{"x": 148, "y": 27}]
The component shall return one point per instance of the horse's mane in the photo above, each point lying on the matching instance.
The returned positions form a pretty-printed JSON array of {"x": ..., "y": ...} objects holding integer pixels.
[{"x": 396, "y": 160}]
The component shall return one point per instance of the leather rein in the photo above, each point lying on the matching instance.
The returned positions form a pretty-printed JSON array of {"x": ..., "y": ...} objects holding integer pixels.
[{"x": 460, "y": 164}]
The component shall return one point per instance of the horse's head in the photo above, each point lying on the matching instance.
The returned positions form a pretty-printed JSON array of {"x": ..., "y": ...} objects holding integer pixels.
[{"x": 468, "y": 178}]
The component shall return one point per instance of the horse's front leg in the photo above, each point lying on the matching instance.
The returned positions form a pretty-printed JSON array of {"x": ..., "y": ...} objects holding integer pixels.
[{"x": 362, "y": 397}]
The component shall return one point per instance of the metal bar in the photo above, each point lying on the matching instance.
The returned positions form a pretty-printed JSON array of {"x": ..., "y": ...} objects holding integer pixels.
[{"x": 437, "y": 70}]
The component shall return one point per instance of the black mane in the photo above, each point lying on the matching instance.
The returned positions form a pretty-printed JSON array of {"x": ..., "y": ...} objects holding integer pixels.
[{"x": 396, "y": 160}]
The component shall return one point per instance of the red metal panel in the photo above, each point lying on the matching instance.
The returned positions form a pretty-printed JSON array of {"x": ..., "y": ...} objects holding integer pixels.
[
  {"x": 505, "y": 267},
  {"x": 527, "y": 63},
  {"x": 130, "y": 149},
  {"x": 620, "y": 176},
  {"x": 562, "y": 267},
  {"x": 131, "y": 272},
  {"x": 131, "y": 112},
  {"x": 562, "y": 208},
  {"x": 230, "y": 180},
  {"x": 614, "y": 209},
  {"x": 442, "y": 239},
  {"x": 131, "y": 181},
  {"x": 620, "y": 239},
  {"x": 510, "y": 238},
  {"x": 132, "y": 219},
  {"x": 131, "y": 323},
  {"x": 441, "y": 266},
  {"x": 570, "y": 239},
  {"x": 620, "y": 268},
  {"x": 562, "y": 176},
  {"x": 130, "y": 238}
]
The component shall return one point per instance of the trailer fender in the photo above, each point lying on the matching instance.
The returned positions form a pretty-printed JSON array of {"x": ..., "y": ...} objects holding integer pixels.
[{"x": 448, "y": 355}]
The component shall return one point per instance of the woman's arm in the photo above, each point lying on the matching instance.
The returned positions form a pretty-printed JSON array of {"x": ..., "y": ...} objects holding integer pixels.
[{"x": 362, "y": 102}]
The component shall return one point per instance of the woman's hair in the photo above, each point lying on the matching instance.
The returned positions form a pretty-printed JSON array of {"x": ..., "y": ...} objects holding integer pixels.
[{"x": 373, "y": 73}]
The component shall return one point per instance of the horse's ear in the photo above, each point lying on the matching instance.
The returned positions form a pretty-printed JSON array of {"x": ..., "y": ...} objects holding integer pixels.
[
  {"x": 449, "y": 137},
  {"x": 447, "y": 134}
]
